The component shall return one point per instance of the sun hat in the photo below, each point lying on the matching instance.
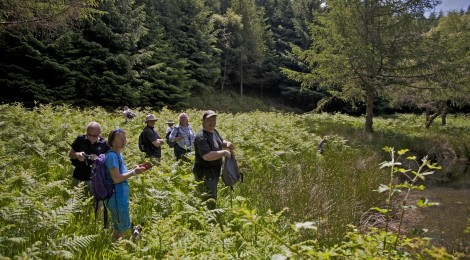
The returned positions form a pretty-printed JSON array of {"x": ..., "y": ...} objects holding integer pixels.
[
  {"x": 150, "y": 117},
  {"x": 208, "y": 114},
  {"x": 170, "y": 122}
]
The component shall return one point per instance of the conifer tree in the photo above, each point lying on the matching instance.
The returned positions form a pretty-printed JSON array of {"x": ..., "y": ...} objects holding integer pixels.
[
  {"x": 189, "y": 30},
  {"x": 244, "y": 42},
  {"x": 30, "y": 71},
  {"x": 361, "y": 47},
  {"x": 110, "y": 43}
]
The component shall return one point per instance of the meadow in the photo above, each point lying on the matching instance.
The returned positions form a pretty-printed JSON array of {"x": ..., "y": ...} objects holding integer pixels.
[{"x": 295, "y": 202}]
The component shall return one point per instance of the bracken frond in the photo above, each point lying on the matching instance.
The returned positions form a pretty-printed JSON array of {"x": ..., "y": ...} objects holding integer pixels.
[{"x": 77, "y": 243}]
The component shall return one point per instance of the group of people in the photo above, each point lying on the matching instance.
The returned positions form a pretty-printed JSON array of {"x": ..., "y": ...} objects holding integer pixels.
[
  {"x": 208, "y": 145},
  {"x": 182, "y": 135}
]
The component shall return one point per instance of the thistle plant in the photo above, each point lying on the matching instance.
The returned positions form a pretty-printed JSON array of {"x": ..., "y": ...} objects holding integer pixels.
[{"x": 410, "y": 182}]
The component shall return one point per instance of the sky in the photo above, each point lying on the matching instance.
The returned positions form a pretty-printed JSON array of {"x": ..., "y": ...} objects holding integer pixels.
[{"x": 452, "y": 5}]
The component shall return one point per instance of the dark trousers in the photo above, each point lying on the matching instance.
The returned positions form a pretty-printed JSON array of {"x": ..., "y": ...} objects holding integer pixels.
[
  {"x": 208, "y": 189},
  {"x": 180, "y": 152}
]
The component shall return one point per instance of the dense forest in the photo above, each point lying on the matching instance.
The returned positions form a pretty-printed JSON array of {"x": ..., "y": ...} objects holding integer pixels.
[{"x": 361, "y": 57}]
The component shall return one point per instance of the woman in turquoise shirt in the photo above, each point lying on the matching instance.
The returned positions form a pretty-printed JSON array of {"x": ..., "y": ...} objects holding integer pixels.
[{"x": 118, "y": 204}]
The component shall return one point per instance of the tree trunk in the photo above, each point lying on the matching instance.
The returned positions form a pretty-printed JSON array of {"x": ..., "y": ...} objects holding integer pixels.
[
  {"x": 226, "y": 44},
  {"x": 445, "y": 110},
  {"x": 241, "y": 77},
  {"x": 369, "y": 111},
  {"x": 441, "y": 111},
  {"x": 224, "y": 76},
  {"x": 444, "y": 119},
  {"x": 430, "y": 117},
  {"x": 428, "y": 114}
]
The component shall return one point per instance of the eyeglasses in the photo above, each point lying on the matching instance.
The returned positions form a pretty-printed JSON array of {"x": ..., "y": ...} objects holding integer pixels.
[{"x": 90, "y": 135}]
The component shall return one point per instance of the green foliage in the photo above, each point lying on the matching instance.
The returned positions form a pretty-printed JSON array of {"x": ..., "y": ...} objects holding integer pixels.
[
  {"x": 196, "y": 41},
  {"x": 45, "y": 16},
  {"x": 360, "y": 48},
  {"x": 411, "y": 178},
  {"x": 294, "y": 202},
  {"x": 237, "y": 103}
]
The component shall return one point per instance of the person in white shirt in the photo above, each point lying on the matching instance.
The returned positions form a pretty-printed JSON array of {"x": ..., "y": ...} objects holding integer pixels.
[
  {"x": 128, "y": 114},
  {"x": 183, "y": 136}
]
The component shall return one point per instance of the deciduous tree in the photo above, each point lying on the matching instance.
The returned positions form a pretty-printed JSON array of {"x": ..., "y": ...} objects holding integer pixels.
[{"x": 448, "y": 70}]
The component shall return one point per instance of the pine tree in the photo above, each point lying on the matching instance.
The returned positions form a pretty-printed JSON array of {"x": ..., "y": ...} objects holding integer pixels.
[
  {"x": 189, "y": 30},
  {"x": 108, "y": 76},
  {"x": 30, "y": 71}
]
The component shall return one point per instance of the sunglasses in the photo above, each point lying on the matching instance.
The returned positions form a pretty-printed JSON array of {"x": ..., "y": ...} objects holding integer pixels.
[
  {"x": 114, "y": 132},
  {"x": 118, "y": 130},
  {"x": 90, "y": 135}
]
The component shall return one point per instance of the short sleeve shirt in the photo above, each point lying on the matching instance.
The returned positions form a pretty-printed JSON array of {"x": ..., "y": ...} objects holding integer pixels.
[
  {"x": 204, "y": 143},
  {"x": 116, "y": 160},
  {"x": 188, "y": 136},
  {"x": 82, "y": 144},
  {"x": 149, "y": 136}
]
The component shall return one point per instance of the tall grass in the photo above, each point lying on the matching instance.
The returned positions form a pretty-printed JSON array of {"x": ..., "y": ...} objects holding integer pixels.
[{"x": 294, "y": 201}]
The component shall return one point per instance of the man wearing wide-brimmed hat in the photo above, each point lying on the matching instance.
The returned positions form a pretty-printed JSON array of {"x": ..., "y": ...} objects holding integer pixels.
[{"x": 151, "y": 139}]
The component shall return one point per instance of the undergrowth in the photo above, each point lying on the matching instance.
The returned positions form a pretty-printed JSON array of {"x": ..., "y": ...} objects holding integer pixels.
[{"x": 295, "y": 202}]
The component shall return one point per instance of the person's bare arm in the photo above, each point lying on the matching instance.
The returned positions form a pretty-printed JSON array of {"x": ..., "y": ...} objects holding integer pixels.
[
  {"x": 76, "y": 155},
  {"x": 227, "y": 144},
  {"x": 158, "y": 142},
  {"x": 117, "y": 177},
  {"x": 215, "y": 155}
]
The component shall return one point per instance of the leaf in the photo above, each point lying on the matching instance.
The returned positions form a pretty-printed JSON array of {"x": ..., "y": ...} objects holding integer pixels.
[
  {"x": 403, "y": 151},
  {"x": 402, "y": 170},
  {"x": 426, "y": 173},
  {"x": 380, "y": 210},
  {"x": 306, "y": 225},
  {"x": 422, "y": 202},
  {"x": 418, "y": 187},
  {"x": 389, "y": 164},
  {"x": 434, "y": 166},
  {"x": 382, "y": 188}
]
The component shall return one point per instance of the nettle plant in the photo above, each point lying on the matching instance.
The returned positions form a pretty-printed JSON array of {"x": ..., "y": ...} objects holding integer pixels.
[{"x": 409, "y": 179}]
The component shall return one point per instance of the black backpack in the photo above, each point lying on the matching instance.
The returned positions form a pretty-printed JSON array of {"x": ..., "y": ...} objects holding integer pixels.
[
  {"x": 230, "y": 172},
  {"x": 171, "y": 144},
  {"x": 141, "y": 143}
]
